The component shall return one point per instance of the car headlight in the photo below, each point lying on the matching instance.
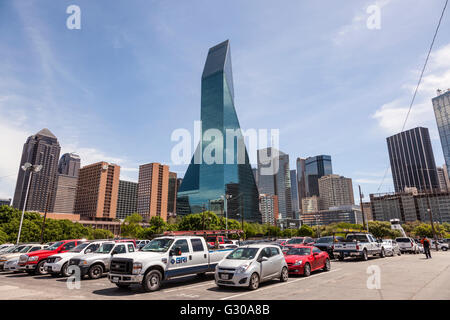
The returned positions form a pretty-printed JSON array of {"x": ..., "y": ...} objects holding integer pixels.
[
  {"x": 58, "y": 259},
  {"x": 298, "y": 263},
  {"x": 242, "y": 268},
  {"x": 2, "y": 259},
  {"x": 34, "y": 258},
  {"x": 83, "y": 262},
  {"x": 137, "y": 267}
]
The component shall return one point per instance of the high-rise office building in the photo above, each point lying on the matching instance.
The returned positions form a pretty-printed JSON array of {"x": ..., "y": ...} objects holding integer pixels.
[
  {"x": 172, "y": 197},
  {"x": 69, "y": 164},
  {"x": 301, "y": 181},
  {"x": 153, "y": 191},
  {"x": 412, "y": 160},
  {"x": 67, "y": 179},
  {"x": 315, "y": 168},
  {"x": 97, "y": 191},
  {"x": 268, "y": 206},
  {"x": 206, "y": 180},
  {"x": 39, "y": 149},
  {"x": 443, "y": 183},
  {"x": 335, "y": 191},
  {"x": 274, "y": 178},
  {"x": 441, "y": 106},
  {"x": 126, "y": 199},
  {"x": 294, "y": 194},
  {"x": 65, "y": 194},
  {"x": 310, "y": 204}
]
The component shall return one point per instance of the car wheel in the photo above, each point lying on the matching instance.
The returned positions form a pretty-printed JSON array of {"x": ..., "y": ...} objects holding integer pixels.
[
  {"x": 327, "y": 266},
  {"x": 95, "y": 272},
  {"x": 152, "y": 281},
  {"x": 122, "y": 285},
  {"x": 444, "y": 249},
  {"x": 383, "y": 253},
  {"x": 364, "y": 256},
  {"x": 65, "y": 271},
  {"x": 307, "y": 270},
  {"x": 284, "y": 275},
  {"x": 40, "y": 268},
  {"x": 254, "y": 282}
]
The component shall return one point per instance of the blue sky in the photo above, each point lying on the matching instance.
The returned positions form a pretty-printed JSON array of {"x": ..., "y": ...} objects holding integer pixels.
[{"x": 116, "y": 89}]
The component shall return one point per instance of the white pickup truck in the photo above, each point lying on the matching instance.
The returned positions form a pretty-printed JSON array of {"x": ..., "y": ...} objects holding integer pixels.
[
  {"x": 360, "y": 245},
  {"x": 164, "y": 258}
]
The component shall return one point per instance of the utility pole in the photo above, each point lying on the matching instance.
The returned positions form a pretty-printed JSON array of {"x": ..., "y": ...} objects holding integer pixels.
[
  {"x": 362, "y": 208},
  {"x": 203, "y": 216},
  {"x": 46, "y": 209},
  {"x": 430, "y": 213}
]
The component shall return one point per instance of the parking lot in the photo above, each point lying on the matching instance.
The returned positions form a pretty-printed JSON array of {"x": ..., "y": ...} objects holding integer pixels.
[{"x": 401, "y": 277}]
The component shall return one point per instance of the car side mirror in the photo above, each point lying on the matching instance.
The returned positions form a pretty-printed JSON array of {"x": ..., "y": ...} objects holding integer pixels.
[
  {"x": 263, "y": 259},
  {"x": 175, "y": 252}
]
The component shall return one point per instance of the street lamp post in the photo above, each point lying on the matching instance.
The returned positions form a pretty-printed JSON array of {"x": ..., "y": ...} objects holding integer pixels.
[{"x": 33, "y": 168}]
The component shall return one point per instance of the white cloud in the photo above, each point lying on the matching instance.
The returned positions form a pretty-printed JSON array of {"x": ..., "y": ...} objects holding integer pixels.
[
  {"x": 358, "y": 24},
  {"x": 391, "y": 115}
]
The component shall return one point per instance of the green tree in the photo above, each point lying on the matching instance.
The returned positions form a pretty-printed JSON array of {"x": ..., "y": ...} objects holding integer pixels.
[
  {"x": 3, "y": 236},
  {"x": 131, "y": 226},
  {"x": 382, "y": 229},
  {"x": 102, "y": 234},
  {"x": 158, "y": 225},
  {"x": 305, "y": 231}
]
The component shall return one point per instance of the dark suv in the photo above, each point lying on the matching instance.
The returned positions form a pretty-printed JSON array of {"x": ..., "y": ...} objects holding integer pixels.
[{"x": 326, "y": 244}]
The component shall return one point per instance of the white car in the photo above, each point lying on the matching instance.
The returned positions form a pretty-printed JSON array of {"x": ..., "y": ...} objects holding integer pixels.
[
  {"x": 441, "y": 245},
  {"x": 57, "y": 264},
  {"x": 5, "y": 247},
  {"x": 407, "y": 245},
  {"x": 391, "y": 247},
  {"x": 248, "y": 266},
  {"x": 14, "y": 253}
]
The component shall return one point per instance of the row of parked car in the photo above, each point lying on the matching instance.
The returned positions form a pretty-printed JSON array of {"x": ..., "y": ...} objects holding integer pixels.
[{"x": 149, "y": 263}]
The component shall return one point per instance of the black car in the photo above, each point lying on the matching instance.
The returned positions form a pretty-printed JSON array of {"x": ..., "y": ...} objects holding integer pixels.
[{"x": 326, "y": 244}]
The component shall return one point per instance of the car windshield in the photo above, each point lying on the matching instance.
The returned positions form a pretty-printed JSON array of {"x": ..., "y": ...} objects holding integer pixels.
[
  {"x": 403, "y": 240},
  {"x": 243, "y": 254},
  {"x": 357, "y": 237},
  {"x": 299, "y": 252},
  {"x": 55, "y": 246},
  {"x": 9, "y": 250},
  {"x": 80, "y": 247},
  {"x": 158, "y": 245},
  {"x": 105, "y": 248},
  {"x": 325, "y": 240},
  {"x": 17, "y": 249},
  {"x": 295, "y": 241},
  {"x": 25, "y": 249}
]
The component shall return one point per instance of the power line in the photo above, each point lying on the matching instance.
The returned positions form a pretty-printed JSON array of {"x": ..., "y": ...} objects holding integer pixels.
[{"x": 419, "y": 82}]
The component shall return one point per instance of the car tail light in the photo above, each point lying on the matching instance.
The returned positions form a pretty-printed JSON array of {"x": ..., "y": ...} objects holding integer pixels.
[{"x": 357, "y": 247}]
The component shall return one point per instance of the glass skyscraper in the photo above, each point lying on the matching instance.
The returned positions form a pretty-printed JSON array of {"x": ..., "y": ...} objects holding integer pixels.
[
  {"x": 205, "y": 184},
  {"x": 315, "y": 168},
  {"x": 441, "y": 106}
]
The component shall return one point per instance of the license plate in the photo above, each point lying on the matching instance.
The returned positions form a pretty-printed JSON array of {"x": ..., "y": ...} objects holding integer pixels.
[
  {"x": 224, "y": 276},
  {"x": 115, "y": 279}
]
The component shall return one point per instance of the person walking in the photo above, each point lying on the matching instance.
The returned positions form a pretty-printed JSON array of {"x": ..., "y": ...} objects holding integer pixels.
[{"x": 426, "y": 247}]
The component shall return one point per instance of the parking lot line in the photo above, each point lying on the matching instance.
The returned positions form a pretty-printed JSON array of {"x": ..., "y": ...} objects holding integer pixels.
[
  {"x": 278, "y": 285},
  {"x": 185, "y": 288}
]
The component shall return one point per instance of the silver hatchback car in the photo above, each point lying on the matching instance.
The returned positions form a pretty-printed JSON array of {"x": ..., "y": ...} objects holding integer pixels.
[{"x": 250, "y": 265}]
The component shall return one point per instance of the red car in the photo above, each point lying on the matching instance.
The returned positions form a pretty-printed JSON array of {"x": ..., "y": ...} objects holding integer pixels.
[
  {"x": 305, "y": 259},
  {"x": 33, "y": 263}
]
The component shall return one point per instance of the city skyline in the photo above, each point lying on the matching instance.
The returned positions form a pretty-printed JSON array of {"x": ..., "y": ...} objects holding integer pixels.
[{"x": 359, "y": 152}]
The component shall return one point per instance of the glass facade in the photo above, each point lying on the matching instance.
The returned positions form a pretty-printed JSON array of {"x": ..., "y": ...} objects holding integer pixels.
[
  {"x": 441, "y": 106},
  {"x": 315, "y": 168},
  {"x": 294, "y": 194},
  {"x": 205, "y": 183}
]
